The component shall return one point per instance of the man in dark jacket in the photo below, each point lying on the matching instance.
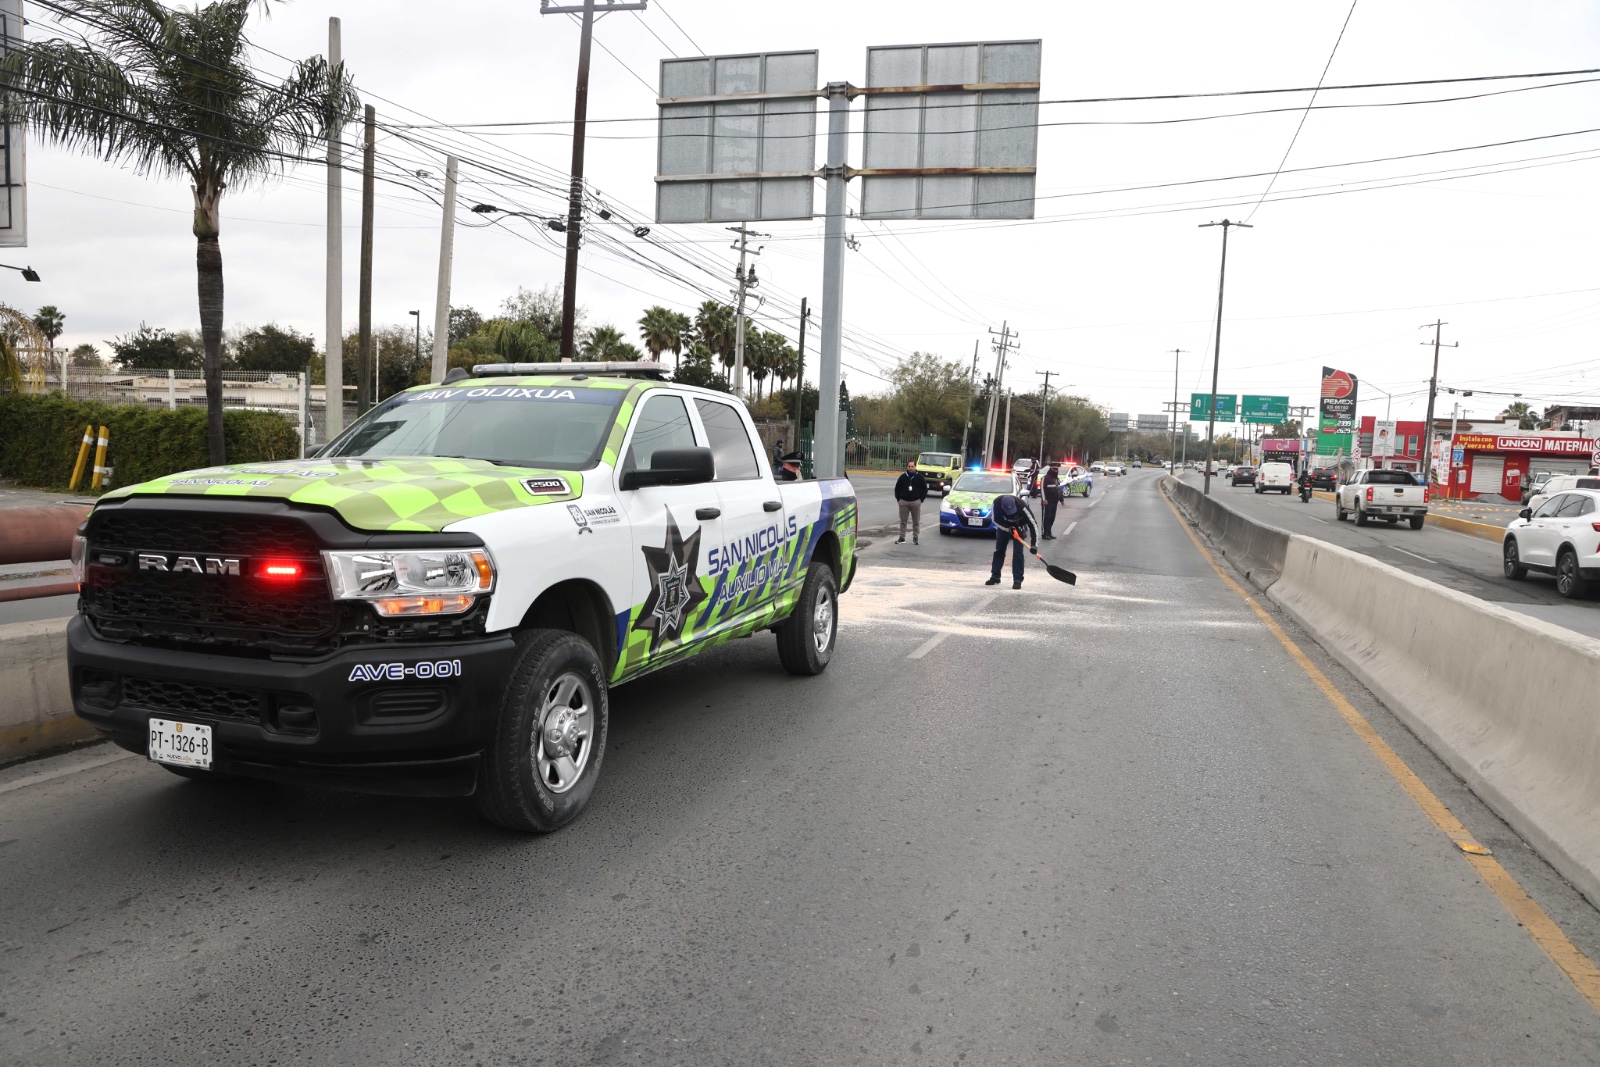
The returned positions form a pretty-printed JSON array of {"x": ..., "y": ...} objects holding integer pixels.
[
  {"x": 1011, "y": 516},
  {"x": 1052, "y": 499},
  {"x": 911, "y": 489}
]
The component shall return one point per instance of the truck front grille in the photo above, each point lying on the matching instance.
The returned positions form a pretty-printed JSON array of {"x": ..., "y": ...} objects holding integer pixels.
[{"x": 182, "y": 698}]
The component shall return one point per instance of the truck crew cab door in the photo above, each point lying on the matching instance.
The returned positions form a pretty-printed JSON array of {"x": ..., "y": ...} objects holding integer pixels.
[
  {"x": 756, "y": 535},
  {"x": 675, "y": 528}
]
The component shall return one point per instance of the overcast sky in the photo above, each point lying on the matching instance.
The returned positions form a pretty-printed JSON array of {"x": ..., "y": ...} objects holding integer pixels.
[{"x": 1102, "y": 286}]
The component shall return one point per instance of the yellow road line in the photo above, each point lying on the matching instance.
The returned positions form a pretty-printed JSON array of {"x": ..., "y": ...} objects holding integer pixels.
[{"x": 1579, "y": 969}]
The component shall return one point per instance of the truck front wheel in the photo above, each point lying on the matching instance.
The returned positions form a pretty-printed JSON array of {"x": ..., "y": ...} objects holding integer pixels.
[
  {"x": 805, "y": 639},
  {"x": 550, "y": 735}
]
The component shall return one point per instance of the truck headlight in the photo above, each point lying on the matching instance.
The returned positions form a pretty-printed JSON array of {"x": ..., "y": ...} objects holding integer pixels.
[{"x": 418, "y": 582}]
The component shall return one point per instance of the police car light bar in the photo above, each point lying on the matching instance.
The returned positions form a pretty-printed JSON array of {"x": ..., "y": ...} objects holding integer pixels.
[{"x": 488, "y": 370}]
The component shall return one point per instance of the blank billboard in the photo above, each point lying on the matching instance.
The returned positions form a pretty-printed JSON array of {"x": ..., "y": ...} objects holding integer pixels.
[
  {"x": 951, "y": 108},
  {"x": 732, "y": 147}
]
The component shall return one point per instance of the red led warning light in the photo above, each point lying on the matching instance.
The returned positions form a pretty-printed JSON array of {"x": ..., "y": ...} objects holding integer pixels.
[{"x": 280, "y": 570}]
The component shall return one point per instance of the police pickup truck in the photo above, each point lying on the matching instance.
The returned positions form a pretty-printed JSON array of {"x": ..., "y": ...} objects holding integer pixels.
[{"x": 438, "y": 603}]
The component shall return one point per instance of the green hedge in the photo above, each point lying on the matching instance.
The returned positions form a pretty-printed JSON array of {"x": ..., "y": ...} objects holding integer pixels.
[{"x": 39, "y": 438}]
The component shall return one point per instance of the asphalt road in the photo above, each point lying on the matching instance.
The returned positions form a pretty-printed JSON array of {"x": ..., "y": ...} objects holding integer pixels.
[
  {"x": 1457, "y": 560},
  {"x": 1110, "y": 823}
]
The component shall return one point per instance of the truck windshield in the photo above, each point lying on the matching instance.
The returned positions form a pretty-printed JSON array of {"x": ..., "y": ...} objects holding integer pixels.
[
  {"x": 936, "y": 459},
  {"x": 985, "y": 482},
  {"x": 560, "y": 427}
]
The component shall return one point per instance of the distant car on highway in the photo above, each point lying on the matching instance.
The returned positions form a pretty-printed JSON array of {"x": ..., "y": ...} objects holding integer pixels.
[
  {"x": 1097, "y": 466},
  {"x": 970, "y": 503},
  {"x": 1275, "y": 477},
  {"x": 1560, "y": 537},
  {"x": 1138, "y": 463},
  {"x": 1390, "y": 495},
  {"x": 1242, "y": 476},
  {"x": 1324, "y": 477},
  {"x": 1533, "y": 486}
]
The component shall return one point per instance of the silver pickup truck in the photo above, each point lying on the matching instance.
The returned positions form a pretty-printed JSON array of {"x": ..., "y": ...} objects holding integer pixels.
[{"x": 1382, "y": 494}]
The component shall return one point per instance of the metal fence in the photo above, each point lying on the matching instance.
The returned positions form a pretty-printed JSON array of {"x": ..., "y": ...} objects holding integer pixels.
[{"x": 890, "y": 451}]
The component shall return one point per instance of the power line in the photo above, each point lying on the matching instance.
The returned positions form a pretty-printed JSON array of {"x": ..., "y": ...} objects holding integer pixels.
[
  {"x": 1303, "y": 115},
  {"x": 681, "y": 30}
]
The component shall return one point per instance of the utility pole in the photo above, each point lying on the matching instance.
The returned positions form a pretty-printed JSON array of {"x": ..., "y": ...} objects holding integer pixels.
[
  {"x": 1176, "y": 352},
  {"x": 1002, "y": 351},
  {"x": 1216, "y": 358},
  {"x": 972, "y": 381},
  {"x": 333, "y": 323},
  {"x": 1044, "y": 412},
  {"x": 366, "y": 366},
  {"x": 800, "y": 380},
  {"x": 746, "y": 281},
  {"x": 441, "y": 300},
  {"x": 580, "y": 112},
  {"x": 1433, "y": 383},
  {"x": 417, "y": 343},
  {"x": 1005, "y": 450}
]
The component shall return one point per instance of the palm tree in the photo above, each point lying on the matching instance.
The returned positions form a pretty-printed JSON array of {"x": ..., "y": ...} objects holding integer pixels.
[
  {"x": 604, "y": 343},
  {"x": 171, "y": 92},
  {"x": 50, "y": 322},
  {"x": 714, "y": 328},
  {"x": 662, "y": 330},
  {"x": 1522, "y": 413}
]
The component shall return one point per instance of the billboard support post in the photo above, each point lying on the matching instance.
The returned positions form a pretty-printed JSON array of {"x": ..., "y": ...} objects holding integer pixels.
[{"x": 827, "y": 461}]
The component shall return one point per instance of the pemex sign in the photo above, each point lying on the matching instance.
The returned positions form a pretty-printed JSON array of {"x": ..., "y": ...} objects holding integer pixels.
[{"x": 1337, "y": 413}]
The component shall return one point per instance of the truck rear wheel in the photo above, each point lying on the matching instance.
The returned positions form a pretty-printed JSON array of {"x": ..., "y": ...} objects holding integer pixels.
[
  {"x": 549, "y": 737},
  {"x": 806, "y": 638}
]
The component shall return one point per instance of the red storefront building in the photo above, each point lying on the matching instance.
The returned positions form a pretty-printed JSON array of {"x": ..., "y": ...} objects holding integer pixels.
[
  {"x": 1405, "y": 451},
  {"x": 1490, "y": 465}
]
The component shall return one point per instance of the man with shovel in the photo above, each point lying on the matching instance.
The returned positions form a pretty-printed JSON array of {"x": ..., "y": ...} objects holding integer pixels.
[{"x": 1012, "y": 520}]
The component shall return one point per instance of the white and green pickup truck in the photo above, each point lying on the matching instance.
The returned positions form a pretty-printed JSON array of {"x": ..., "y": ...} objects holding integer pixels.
[{"x": 439, "y": 602}]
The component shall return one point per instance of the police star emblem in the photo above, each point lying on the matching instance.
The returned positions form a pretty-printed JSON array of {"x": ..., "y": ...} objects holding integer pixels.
[{"x": 674, "y": 587}]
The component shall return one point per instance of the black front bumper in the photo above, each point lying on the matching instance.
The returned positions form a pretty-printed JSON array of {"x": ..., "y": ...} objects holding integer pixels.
[{"x": 401, "y": 719}]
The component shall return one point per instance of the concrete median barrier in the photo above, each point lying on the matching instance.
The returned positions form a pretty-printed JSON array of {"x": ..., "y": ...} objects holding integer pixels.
[
  {"x": 36, "y": 711},
  {"x": 1507, "y": 701},
  {"x": 1255, "y": 548}
]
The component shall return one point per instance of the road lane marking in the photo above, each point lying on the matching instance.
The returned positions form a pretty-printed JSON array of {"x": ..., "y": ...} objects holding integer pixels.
[
  {"x": 938, "y": 639},
  {"x": 1095, "y": 501},
  {"x": 1568, "y": 958},
  {"x": 1070, "y": 527},
  {"x": 1413, "y": 555},
  {"x": 1324, "y": 522},
  {"x": 62, "y": 772}
]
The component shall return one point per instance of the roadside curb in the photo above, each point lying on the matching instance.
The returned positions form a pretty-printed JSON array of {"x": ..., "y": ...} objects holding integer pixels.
[{"x": 37, "y": 715}]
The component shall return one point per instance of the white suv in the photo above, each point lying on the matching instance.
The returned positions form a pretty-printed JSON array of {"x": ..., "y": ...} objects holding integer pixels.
[{"x": 1560, "y": 537}]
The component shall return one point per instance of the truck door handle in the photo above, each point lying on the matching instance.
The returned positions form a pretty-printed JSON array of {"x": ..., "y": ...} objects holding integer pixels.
[
  {"x": 772, "y": 505},
  {"x": 707, "y": 513}
]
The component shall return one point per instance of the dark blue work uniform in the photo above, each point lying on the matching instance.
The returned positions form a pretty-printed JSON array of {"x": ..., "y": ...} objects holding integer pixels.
[{"x": 1011, "y": 513}]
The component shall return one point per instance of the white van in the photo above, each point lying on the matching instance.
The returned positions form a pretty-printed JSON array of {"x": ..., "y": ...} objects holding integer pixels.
[{"x": 1275, "y": 477}]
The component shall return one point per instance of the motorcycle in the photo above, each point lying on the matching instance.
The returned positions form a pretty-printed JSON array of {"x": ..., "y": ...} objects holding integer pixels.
[{"x": 1305, "y": 492}]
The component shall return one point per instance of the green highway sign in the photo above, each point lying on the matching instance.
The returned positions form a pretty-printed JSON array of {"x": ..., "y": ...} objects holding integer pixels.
[
  {"x": 1267, "y": 409},
  {"x": 1200, "y": 407}
]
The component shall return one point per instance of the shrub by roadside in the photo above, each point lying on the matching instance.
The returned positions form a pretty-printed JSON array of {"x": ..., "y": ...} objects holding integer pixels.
[{"x": 39, "y": 438}]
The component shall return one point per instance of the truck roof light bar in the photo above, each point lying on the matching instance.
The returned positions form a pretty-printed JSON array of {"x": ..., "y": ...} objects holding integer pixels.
[{"x": 642, "y": 368}]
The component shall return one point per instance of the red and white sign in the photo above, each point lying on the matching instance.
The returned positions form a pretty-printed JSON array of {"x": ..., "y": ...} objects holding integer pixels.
[
  {"x": 1561, "y": 446},
  {"x": 1280, "y": 444}
]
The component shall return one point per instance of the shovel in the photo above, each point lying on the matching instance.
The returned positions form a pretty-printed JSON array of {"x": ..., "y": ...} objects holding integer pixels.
[{"x": 1060, "y": 574}]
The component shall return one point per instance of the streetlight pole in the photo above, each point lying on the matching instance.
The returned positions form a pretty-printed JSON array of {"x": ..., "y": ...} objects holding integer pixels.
[
  {"x": 417, "y": 316},
  {"x": 1216, "y": 357},
  {"x": 1176, "y": 352},
  {"x": 1433, "y": 381}
]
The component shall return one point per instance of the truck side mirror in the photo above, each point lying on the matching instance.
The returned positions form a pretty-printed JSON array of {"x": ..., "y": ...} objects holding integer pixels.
[
  {"x": 1525, "y": 513},
  {"x": 674, "y": 466}
]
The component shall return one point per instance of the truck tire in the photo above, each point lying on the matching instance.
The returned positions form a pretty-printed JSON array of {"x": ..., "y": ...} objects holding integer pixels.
[
  {"x": 549, "y": 737},
  {"x": 1361, "y": 516},
  {"x": 806, "y": 638},
  {"x": 1417, "y": 521},
  {"x": 1339, "y": 512}
]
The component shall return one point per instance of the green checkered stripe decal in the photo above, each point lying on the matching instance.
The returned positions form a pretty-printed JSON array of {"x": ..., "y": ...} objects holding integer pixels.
[{"x": 381, "y": 495}]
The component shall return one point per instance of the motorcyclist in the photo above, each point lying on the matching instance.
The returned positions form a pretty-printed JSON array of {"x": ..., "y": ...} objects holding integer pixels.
[{"x": 1305, "y": 485}]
